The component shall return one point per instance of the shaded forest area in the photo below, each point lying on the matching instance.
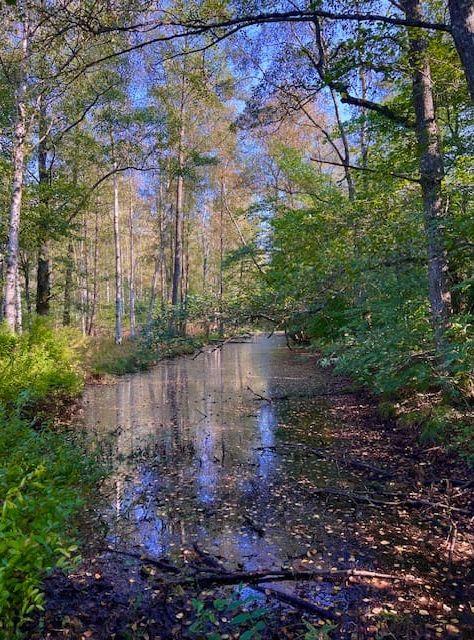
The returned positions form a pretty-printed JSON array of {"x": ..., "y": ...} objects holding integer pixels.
[{"x": 174, "y": 173}]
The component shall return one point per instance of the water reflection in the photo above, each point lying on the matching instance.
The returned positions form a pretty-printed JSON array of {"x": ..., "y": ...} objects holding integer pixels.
[{"x": 197, "y": 457}]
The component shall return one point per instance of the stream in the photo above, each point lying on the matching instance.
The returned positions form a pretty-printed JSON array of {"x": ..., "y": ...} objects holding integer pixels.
[{"x": 227, "y": 451}]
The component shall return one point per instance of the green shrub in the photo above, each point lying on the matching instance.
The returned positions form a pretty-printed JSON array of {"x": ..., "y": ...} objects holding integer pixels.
[
  {"x": 453, "y": 428},
  {"x": 43, "y": 482},
  {"x": 44, "y": 475},
  {"x": 41, "y": 364}
]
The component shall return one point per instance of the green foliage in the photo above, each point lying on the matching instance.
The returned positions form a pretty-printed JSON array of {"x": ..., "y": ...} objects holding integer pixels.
[
  {"x": 452, "y": 427},
  {"x": 43, "y": 481},
  {"x": 351, "y": 275},
  {"x": 240, "y": 614},
  {"x": 44, "y": 475},
  {"x": 38, "y": 365},
  {"x": 106, "y": 357},
  {"x": 318, "y": 633}
]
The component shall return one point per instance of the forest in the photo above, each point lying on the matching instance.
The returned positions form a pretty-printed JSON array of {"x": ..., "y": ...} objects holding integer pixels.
[{"x": 237, "y": 341}]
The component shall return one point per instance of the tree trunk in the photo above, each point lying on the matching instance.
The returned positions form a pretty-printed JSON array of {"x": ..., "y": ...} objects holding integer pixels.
[
  {"x": 431, "y": 175},
  {"x": 68, "y": 285},
  {"x": 25, "y": 267},
  {"x": 221, "y": 260},
  {"x": 84, "y": 277},
  {"x": 346, "y": 156},
  {"x": 160, "y": 259},
  {"x": 178, "y": 241},
  {"x": 11, "y": 276},
  {"x": 43, "y": 278},
  {"x": 131, "y": 269},
  {"x": 185, "y": 277},
  {"x": 118, "y": 264},
  {"x": 462, "y": 27},
  {"x": 95, "y": 284},
  {"x": 18, "y": 308},
  {"x": 153, "y": 288}
]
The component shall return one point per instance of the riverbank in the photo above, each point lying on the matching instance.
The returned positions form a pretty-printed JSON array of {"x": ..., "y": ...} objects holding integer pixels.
[
  {"x": 353, "y": 492},
  {"x": 102, "y": 357}
]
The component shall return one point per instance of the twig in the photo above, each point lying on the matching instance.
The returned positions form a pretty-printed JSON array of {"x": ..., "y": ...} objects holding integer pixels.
[
  {"x": 260, "y": 397},
  {"x": 379, "y": 502},
  {"x": 218, "y": 346},
  {"x": 161, "y": 564}
]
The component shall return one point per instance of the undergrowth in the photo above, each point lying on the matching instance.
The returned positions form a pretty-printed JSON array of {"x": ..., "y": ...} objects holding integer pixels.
[
  {"x": 394, "y": 358},
  {"x": 45, "y": 475},
  {"x": 38, "y": 365}
]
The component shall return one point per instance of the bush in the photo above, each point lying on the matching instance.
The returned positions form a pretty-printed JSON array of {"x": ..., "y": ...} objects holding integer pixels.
[
  {"x": 43, "y": 483},
  {"x": 44, "y": 475},
  {"x": 106, "y": 357},
  {"x": 41, "y": 364}
]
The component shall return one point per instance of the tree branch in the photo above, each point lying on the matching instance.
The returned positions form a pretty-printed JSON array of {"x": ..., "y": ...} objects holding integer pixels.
[{"x": 400, "y": 176}]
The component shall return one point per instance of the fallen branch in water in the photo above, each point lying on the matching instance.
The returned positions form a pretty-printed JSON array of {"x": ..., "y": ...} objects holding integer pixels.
[
  {"x": 260, "y": 531},
  {"x": 298, "y": 603},
  {"x": 260, "y": 397},
  {"x": 380, "y": 502},
  {"x": 286, "y": 598},
  {"x": 219, "y": 345},
  {"x": 256, "y": 577},
  {"x": 317, "y": 451},
  {"x": 307, "y": 396}
]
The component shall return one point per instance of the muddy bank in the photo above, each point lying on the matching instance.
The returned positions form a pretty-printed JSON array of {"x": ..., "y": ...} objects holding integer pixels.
[{"x": 250, "y": 457}]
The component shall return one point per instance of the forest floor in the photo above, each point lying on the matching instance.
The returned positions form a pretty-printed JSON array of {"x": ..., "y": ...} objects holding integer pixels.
[{"x": 412, "y": 510}]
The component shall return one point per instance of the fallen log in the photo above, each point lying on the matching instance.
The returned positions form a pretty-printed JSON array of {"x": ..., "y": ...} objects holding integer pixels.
[
  {"x": 317, "y": 451},
  {"x": 365, "y": 466},
  {"x": 286, "y": 598},
  {"x": 206, "y": 557}
]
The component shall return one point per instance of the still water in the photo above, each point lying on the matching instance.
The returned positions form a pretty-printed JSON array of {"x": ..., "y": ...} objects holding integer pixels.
[{"x": 200, "y": 456}]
